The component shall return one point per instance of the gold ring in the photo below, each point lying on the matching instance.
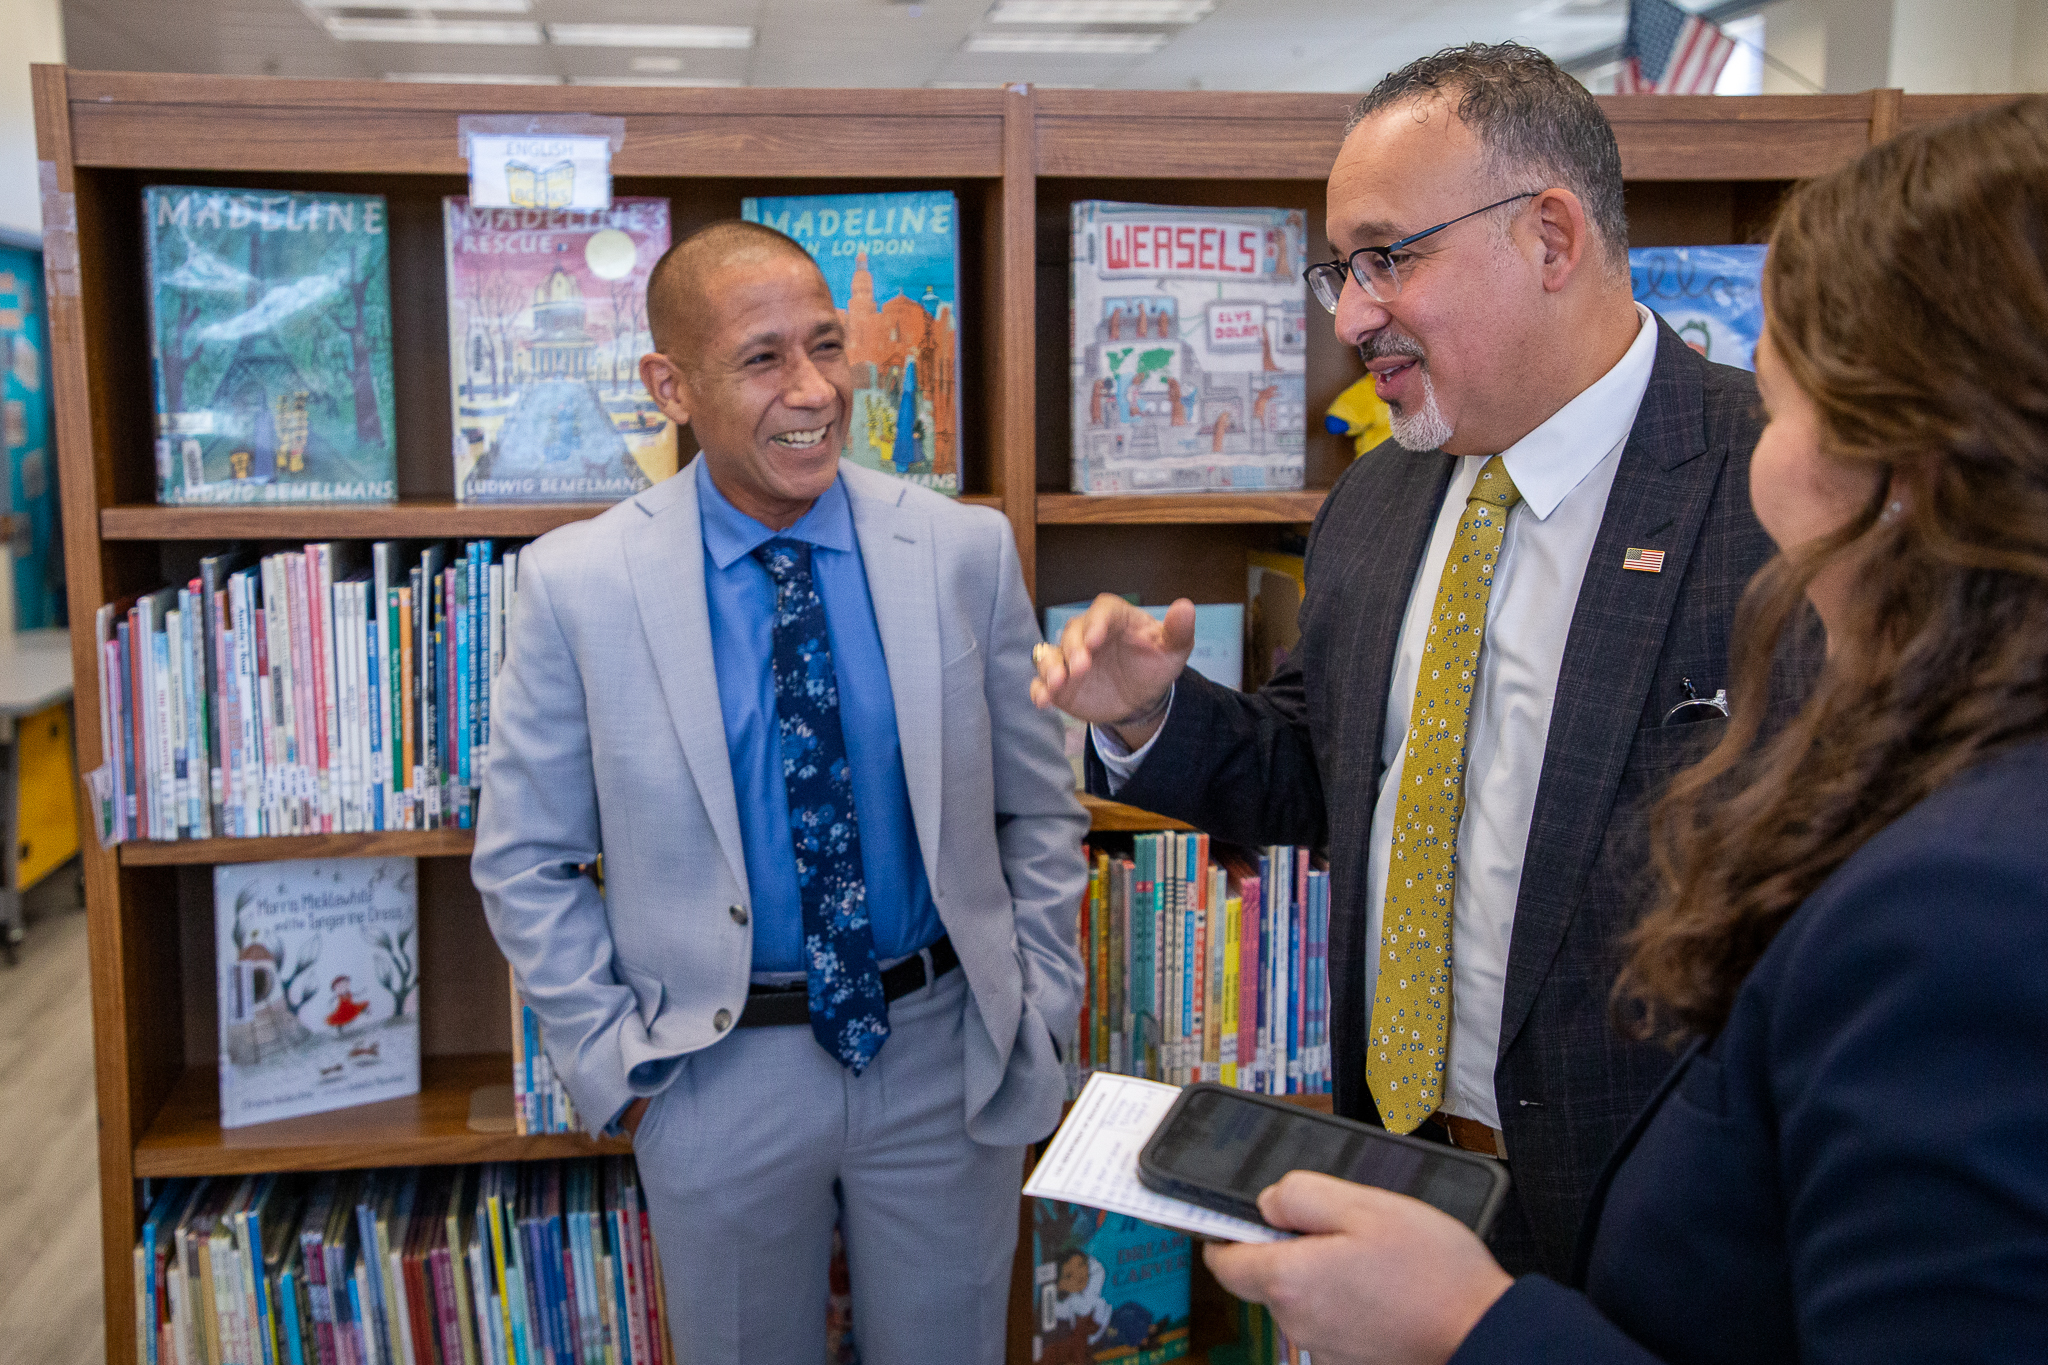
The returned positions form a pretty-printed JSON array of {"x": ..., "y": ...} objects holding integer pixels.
[{"x": 1039, "y": 651}]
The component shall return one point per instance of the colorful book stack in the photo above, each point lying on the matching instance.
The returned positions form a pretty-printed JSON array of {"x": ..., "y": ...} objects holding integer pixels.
[
  {"x": 309, "y": 692},
  {"x": 540, "y": 1102},
  {"x": 1204, "y": 968},
  {"x": 538, "y": 1263}
]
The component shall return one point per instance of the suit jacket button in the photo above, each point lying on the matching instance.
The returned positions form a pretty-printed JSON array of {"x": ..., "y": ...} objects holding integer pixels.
[
  {"x": 738, "y": 913},
  {"x": 722, "y": 1020}
]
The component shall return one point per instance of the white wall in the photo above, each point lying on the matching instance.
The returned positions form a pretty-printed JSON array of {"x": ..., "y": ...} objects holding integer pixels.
[
  {"x": 1924, "y": 47},
  {"x": 34, "y": 32}
]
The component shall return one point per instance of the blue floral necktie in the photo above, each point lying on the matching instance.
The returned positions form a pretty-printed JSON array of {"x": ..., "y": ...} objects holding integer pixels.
[{"x": 849, "y": 1015}]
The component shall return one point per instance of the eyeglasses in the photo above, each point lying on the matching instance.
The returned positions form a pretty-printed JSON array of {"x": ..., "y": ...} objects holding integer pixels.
[{"x": 1375, "y": 268}]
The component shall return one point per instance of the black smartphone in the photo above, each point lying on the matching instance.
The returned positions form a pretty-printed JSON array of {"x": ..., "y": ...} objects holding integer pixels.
[{"x": 1220, "y": 1147}]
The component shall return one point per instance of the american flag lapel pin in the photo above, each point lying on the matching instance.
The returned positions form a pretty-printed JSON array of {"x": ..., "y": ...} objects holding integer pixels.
[{"x": 1643, "y": 561}]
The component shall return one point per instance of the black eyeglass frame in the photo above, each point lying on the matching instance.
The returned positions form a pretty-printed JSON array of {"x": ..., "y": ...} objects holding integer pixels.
[{"x": 1385, "y": 254}]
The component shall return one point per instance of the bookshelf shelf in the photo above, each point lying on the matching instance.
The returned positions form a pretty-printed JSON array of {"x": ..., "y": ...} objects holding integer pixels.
[
  {"x": 430, "y": 1128},
  {"x": 1699, "y": 171},
  {"x": 1114, "y": 817},
  {"x": 409, "y": 518},
  {"x": 390, "y": 843},
  {"x": 1176, "y": 509}
]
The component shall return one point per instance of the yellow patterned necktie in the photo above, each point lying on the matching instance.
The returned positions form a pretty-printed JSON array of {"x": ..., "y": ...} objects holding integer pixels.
[{"x": 1408, "y": 1048}]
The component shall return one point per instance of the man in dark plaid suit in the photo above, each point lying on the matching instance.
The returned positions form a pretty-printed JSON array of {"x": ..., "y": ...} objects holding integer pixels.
[{"x": 1482, "y": 272}]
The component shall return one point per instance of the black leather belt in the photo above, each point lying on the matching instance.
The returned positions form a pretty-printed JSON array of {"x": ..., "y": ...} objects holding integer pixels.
[{"x": 780, "y": 1006}]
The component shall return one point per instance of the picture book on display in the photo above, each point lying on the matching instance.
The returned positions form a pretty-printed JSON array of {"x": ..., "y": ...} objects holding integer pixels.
[
  {"x": 1106, "y": 1287},
  {"x": 1190, "y": 348},
  {"x": 30, "y": 490},
  {"x": 892, "y": 262},
  {"x": 547, "y": 321},
  {"x": 319, "y": 976},
  {"x": 1711, "y": 295},
  {"x": 270, "y": 345}
]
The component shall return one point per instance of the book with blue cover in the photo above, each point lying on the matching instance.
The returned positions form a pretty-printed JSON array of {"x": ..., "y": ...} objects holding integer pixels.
[
  {"x": 1711, "y": 295},
  {"x": 1189, "y": 361},
  {"x": 270, "y": 345},
  {"x": 1106, "y": 1287},
  {"x": 892, "y": 262},
  {"x": 30, "y": 492}
]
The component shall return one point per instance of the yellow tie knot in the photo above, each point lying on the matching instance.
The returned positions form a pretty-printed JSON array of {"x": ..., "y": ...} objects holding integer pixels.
[{"x": 1495, "y": 488}]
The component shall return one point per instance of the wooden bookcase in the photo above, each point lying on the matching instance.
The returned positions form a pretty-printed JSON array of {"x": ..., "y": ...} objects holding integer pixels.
[{"x": 1700, "y": 170}]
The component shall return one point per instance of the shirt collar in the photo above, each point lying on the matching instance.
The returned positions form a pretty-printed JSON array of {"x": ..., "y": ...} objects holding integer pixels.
[
  {"x": 730, "y": 534},
  {"x": 1552, "y": 460}
]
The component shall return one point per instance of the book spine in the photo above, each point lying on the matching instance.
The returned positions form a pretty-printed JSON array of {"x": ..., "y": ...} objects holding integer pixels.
[
  {"x": 163, "y": 754},
  {"x": 172, "y": 681},
  {"x": 333, "y": 759}
]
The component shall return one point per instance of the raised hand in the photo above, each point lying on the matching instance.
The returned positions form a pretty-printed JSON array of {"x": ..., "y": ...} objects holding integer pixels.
[{"x": 1114, "y": 665}]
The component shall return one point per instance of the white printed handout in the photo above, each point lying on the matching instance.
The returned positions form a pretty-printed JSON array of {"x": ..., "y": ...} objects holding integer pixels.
[{"x": 1093, "y": 1160}]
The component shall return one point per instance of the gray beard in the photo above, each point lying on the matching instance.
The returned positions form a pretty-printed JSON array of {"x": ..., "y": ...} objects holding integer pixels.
[{"x": 1423, "y": 428}]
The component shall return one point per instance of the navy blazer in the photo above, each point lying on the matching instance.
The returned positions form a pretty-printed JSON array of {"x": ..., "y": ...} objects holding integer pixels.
[
  {"x": 1299, "y": 761},
  {"x": 1856, "y": 1167}
]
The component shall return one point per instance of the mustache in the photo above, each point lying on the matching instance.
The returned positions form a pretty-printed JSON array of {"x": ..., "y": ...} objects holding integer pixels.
[{"x": 1381, "y": 345}]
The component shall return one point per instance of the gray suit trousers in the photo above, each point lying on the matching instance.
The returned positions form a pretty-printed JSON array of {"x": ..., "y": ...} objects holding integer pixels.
[{"x": 740, "y": 1158}]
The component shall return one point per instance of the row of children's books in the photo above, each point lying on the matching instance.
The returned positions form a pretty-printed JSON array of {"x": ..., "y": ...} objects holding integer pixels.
[
  {"x": 306, "y": 692},
  {"x": 540, "y": 1102},
  {"x": 1203, "y": 966},
  {"x": 537, "y": 1263}
]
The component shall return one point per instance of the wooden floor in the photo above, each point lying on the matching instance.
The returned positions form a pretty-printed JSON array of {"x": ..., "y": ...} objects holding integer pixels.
[{"x": 50, "y": 1301}]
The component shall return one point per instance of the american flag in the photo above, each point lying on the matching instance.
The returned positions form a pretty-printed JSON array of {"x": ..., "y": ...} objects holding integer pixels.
[
  {"x": 1670, "y": 52},
  {"x": 1643, "y": 561}
]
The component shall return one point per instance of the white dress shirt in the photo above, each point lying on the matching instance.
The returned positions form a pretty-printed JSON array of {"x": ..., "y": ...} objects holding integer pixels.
[{"x": 1564, "y": 469}]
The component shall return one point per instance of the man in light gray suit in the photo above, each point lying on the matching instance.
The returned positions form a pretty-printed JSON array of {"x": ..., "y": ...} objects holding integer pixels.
[{"x": 831, "y": 969}]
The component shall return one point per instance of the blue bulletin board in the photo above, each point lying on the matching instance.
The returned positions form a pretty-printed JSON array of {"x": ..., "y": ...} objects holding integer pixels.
[{"x": 30, "y": 494}]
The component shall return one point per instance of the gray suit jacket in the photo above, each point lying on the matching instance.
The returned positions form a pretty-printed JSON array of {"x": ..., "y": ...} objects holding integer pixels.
[
  {"x": 606, "y": 735},
  {"x": 1299, "y": 762}
]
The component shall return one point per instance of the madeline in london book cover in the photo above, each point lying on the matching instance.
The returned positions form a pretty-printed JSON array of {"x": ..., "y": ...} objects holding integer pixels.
[
  {"x": 892, "y": 262},
  {"x": 270, "y": 345},
  {"x": 547, "y": 321},
  {"x": 319, "y": 975},
  {"x": 1712, "y": 296}
]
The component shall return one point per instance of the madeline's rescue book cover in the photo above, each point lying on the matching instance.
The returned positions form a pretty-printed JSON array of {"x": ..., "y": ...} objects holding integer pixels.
[
  {"x": 892, "y": 262},
  {"x": 547, "y": 321},
  {"x": 319, "y": 975},
  {"x": 1190, "y": 348},
  {"x": 270, "y": 345}
]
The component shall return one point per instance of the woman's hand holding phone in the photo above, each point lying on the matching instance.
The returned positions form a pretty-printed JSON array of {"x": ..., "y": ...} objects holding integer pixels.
[{"x": 1377, "y": 1278}]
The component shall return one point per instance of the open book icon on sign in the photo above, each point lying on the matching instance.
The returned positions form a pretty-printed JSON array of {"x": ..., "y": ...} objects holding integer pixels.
[{"x": 530, "y": 187}]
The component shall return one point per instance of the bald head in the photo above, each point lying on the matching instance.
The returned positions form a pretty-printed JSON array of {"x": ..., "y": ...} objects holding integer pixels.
[{"x": 678, "y": 311}]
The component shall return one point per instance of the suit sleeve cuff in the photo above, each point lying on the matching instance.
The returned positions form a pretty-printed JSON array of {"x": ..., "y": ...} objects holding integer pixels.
[
  {"x": 1539, "y": 1319},
  {"x": 1120, "y": 761}
]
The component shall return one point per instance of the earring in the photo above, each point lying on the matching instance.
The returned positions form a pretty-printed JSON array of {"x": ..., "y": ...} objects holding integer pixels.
[{"x": 1892, "y": 510}]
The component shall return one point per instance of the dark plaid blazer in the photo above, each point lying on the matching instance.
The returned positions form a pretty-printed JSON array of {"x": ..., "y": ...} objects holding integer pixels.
[{"x": 1299, "y": 761}]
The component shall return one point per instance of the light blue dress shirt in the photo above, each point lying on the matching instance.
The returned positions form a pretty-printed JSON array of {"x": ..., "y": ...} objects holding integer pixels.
[{"x": 741, "y": 599}]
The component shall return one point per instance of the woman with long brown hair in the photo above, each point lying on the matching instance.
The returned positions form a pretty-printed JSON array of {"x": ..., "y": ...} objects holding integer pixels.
[{"x": 1850, "y": 1161}]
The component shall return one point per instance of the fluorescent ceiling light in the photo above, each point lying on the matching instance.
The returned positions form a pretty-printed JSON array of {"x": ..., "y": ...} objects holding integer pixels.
[
  {"x": 998, "y": 85},
  {"x": 651, "y": 35},
  {"x": 1100, "y": 11},
  {"x": 466, "y": 78},
  {"x": 445, "y": 6},
  {"x": 657, "y": 65},
  {"x": 1068, "y": 44},
  {"x": 432, "y": 31},
  {"x": 677, "y": 82}
]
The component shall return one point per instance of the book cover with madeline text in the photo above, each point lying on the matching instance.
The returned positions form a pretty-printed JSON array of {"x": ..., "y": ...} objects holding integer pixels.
[
  {"x": 270, "y": 345},
  {"x": 547, "y": 321},
  {"x": 1712, "y": 296},
  {"x": 892, "y": 262}
]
